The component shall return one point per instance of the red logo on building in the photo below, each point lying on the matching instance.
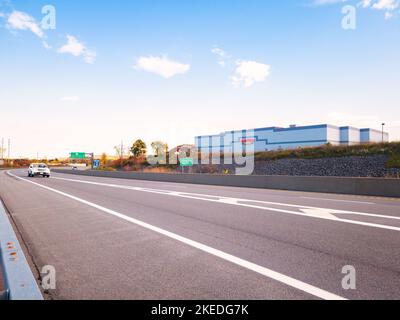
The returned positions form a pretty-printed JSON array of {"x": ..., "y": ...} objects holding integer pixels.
[{"x": 248, "y": 141}]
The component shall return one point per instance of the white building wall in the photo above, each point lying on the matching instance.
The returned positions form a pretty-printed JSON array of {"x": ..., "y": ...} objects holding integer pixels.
[
  {"x": 288, "y": 138},
  {"x": 376, "y": 136},
  {"x": 354, "y": 136},
  {"x": 350, "y": 136},
  {"x": 333, "y": 135}
]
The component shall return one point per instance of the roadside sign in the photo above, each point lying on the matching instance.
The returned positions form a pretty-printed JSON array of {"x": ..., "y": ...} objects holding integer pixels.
[
  {"x": 186, "y": 162},
  {"x": 96, "y": 164},
  {"x": 78, "y": 155}
]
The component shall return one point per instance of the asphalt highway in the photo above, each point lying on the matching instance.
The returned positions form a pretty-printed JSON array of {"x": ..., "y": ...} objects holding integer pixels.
[{"x": 128, "y": 239}]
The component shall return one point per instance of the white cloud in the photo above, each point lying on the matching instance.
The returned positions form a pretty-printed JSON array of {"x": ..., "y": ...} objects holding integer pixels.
[
  {"x": 73, "y": 47},
  {"x": 89, "y": 56},
  {"x": 376, "y": 4},
  {"x": 385, "y": 5},
  {"x": 18, "y": 20},
  {"x": 365, "y": 3},
  {"x": 249, "y": 72},
  {"x": 162, "y": 66},
  {"x": 220, "y": 52},
  {"x": 223, "y": 57},
  {"x": 46, "y": 45},
  {"x": 388, "y": 6},
  {"x": 77, "y": 49},
  {"x": 324, "y": 2},
  {"x": 70, "y": 99},
  {"x": 388, "y": 15},
  {"x": 246, "y": 72}
]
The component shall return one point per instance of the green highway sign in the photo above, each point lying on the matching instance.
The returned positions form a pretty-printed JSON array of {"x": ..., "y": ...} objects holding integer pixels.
[
  {"x": 78, "y": 155},
  {"x": 186, "y": 162}
]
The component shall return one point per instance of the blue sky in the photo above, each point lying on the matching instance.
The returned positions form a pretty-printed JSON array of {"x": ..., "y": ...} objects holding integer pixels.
[{"x": 171, "y": 70}]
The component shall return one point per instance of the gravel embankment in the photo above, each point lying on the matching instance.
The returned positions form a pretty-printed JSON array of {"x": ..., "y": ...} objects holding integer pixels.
[{"x": 352, "y": 166}]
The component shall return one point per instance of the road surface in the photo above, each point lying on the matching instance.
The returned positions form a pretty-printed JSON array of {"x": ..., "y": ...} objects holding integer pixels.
[{"x": 127, "y": 239}]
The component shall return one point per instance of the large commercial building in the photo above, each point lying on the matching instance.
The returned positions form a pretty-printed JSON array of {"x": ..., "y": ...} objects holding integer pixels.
[{"x": 275, "y": 138}]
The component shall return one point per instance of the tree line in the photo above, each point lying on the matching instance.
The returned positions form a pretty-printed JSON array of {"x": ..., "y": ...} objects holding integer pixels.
[{"x": 137, "y": 152}]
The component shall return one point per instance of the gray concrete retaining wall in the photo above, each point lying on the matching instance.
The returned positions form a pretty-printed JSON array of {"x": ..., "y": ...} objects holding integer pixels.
[{"x": 356, "y": 186}]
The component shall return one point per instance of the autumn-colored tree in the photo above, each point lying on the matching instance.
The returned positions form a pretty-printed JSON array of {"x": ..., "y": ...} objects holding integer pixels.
[
  {"x": 103, "y": 160},
  {"x": 139, "y": 148}
]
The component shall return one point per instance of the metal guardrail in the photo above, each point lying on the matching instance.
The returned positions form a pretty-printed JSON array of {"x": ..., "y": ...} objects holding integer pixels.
[{"x": 19, "y": 281}]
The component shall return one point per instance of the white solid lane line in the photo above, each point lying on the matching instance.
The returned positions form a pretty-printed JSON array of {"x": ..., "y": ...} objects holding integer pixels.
[
  {"x": 338, "y": 200},
  {"x": 305, "y": 211},
  {"x": 294, "y": 283},
  {"x": 174, "y": 186}
]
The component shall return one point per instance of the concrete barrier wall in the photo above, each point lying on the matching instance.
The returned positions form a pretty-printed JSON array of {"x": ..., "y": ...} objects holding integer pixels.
[{"x": 355, "y": 186}]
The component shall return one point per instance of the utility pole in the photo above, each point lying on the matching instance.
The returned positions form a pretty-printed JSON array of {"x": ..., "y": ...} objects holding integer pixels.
[
  {"x": 9, "y": 147},
  {"x": 92, "y": 160},
  {"x": 121, "y": 153},
  {"x": 383, "y": 133},
  {"x": 2, "y": 148}
]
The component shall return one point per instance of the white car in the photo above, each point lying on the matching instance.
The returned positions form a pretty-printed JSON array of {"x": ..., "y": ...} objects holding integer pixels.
[{"x": 39, "y": 169}]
